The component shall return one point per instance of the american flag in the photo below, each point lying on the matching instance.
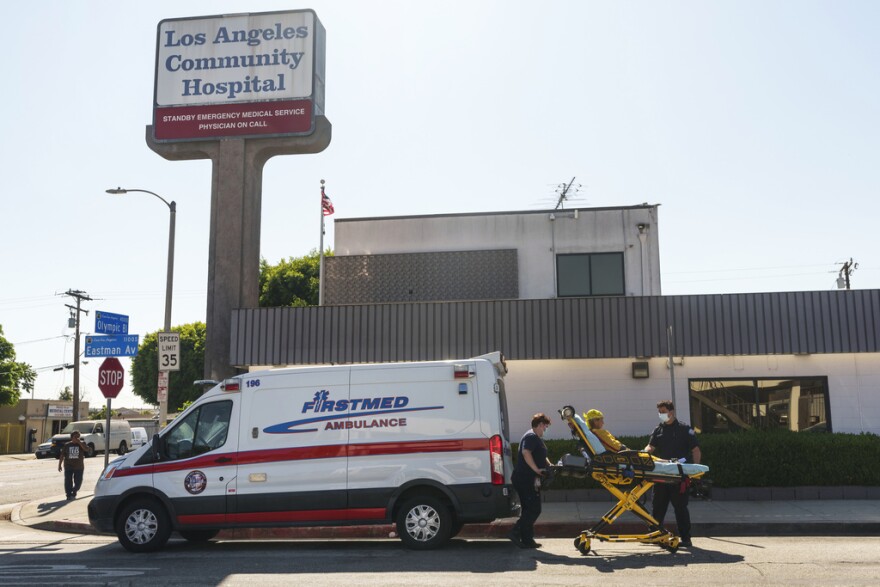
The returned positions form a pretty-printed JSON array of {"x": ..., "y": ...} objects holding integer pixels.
[{"x": 326, "y": 204}]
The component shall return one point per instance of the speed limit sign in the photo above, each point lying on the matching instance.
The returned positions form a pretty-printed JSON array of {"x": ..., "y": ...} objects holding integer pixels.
[{"x": 169, "y": 351}]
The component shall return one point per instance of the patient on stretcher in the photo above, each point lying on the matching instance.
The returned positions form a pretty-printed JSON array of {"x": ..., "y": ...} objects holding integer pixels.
[
  {"x": 596, "y": 421},
  {"x": 601, "y": 441}
]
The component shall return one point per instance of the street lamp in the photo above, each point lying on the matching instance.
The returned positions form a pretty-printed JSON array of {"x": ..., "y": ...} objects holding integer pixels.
[{"x": 172, "y": 208}]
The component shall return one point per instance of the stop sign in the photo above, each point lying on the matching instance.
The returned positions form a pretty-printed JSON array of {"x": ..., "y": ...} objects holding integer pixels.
[{"x": 110, "y": 377}]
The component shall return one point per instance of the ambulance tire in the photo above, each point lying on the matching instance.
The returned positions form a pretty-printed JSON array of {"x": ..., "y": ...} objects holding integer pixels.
[
  {"x": 424, "y": 523},
  {"x": 198, "y": 535},
  {"x": 143, "y": 526}
]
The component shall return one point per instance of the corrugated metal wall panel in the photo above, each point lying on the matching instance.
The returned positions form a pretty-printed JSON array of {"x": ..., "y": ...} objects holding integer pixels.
[{"x": 737, "y": 324}]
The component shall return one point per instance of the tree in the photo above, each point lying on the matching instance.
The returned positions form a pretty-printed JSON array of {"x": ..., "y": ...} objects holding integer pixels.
[
  {"x": 14, "y": 376},
  {"x": 66, "y": 395},
  {"x": 292, "y": 282},
  {"x": 145, "y": 367}
]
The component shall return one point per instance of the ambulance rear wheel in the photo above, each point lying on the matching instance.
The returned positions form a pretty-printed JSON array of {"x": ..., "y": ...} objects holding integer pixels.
[
  {"x": 424, "y": 523},
  {"x": 143, "y": 526}
]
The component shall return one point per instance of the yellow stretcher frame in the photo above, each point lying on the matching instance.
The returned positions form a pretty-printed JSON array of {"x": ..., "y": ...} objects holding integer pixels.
[{"x": 619, "y": 473}]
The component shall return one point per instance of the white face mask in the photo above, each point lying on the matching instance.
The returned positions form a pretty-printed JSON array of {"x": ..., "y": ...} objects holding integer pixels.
[{"x": 663, "y": 417}]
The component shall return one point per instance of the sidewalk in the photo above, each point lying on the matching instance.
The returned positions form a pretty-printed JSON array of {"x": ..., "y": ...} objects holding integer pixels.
[{"x": 558, "y": 520}]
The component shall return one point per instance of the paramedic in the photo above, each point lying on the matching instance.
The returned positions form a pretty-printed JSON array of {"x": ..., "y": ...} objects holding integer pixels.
[
  {"x": 73, "y": 456},
  {"x": 596, "y": 422},
  {"x": 673, "y": 440},
  {"x": 530, "y": 467}
]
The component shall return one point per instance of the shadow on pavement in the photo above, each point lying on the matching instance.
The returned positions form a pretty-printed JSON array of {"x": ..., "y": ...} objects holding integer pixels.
[{"x": 48, "y": 507}]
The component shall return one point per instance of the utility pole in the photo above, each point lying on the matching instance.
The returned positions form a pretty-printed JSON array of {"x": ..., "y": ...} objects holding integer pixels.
[
  {"x": 80, "y": 297},
  {"x": 843, "y": 277}
]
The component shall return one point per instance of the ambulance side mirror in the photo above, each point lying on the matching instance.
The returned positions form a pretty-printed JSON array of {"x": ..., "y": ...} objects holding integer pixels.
[{"x": 156, "y": 446}]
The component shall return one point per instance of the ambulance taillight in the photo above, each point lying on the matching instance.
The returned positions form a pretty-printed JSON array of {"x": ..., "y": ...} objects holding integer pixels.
[
  {"x": 231, "y": 385},
  {"x": 496, "y": 458}
]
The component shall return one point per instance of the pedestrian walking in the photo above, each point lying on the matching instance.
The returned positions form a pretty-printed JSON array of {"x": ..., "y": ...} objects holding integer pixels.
[
  {"x": 530, "y": 468},
  {"x": 673, "y": 440},
  {"x": 72, "y": 456}
]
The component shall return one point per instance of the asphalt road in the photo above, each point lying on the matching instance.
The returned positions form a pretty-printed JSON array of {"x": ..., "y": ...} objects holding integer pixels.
[
  {"x": 30, "y": 479},
  {"x": 33, "y": 557}
]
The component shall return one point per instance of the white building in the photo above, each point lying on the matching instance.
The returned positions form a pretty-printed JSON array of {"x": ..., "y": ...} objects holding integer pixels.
[{"x": 572, "y": 298}]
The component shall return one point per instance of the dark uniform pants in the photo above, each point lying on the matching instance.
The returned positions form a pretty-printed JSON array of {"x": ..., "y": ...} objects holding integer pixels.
[
  {"x": 666, "y": 493},
  {"x": 530, "y": 500}
]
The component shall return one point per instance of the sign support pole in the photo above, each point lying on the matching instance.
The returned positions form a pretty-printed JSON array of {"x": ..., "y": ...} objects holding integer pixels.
[
  {"x": 107, "y": 435},
  {"x": 234, "y": 241}
]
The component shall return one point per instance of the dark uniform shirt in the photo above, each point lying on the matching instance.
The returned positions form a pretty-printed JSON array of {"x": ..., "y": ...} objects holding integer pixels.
[
  {"x": 536, "y": 446},
  {"x": 673, "y": 441}
]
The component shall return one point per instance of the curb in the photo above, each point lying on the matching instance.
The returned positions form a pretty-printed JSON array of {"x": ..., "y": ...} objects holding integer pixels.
[{"x": 499, "y": 530}]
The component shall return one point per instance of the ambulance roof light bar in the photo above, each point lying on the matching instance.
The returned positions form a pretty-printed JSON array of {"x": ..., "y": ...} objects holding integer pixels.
[{"x": 231, "y": 385}]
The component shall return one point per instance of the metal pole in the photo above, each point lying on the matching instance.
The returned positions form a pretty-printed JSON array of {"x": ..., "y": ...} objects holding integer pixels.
[
  {"x": 169, "y": 280},
  {"x": 107, "y": 436},
  {"x": 321, "y": 252},
  {"x": 163, "y": 403},
  {"x": 76, "y": 366},
  {"x": 671, "y": 362}
]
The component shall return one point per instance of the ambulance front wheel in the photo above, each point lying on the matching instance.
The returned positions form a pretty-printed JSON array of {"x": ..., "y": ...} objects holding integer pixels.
[
  {"x": 424, "y": 523},
  {"x": 143, "y": 526}
]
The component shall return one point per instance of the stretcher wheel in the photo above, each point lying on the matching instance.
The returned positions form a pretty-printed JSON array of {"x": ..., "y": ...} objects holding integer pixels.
[
  {"x": 567, "y": 412},
  {"x": 583, "y": 545}
]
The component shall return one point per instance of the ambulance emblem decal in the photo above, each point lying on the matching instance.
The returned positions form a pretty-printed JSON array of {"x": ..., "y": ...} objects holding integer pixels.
[{"x": 195, "y": 482}]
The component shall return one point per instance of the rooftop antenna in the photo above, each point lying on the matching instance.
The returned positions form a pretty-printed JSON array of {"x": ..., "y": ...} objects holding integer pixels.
[{"x": 564, "y": 190}]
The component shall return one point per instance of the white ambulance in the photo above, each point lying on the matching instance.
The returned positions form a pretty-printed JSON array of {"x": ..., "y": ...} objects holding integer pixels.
[{"x": 423, "y": 445}]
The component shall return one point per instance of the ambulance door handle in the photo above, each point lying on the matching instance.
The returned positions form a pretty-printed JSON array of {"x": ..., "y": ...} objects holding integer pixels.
[{"x": 223, "y": 460}]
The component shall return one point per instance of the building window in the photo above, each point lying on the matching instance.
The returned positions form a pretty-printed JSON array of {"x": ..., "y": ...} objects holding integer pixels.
[
  {"x": 589, "y": 274},
  {"x": 724, "y": 405}
]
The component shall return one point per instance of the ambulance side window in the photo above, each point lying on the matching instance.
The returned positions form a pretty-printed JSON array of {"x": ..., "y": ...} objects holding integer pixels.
[{"x": 202, "y": 430}]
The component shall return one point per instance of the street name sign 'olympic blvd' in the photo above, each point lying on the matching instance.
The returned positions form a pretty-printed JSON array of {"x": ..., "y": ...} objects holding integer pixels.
[
  {"x": 109, "y": 323},
  {"x": 112, "y": 346},
  {"x": 241, "y": 75}
]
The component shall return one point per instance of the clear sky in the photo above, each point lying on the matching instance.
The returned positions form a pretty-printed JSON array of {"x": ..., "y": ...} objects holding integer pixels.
[{"x": 755, "y": 125}]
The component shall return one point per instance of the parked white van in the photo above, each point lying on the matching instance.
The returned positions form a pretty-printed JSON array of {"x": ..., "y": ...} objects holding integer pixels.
[
  {"x": 138, "y": 437},
  {"x": 423, "y": 445},
  {"x": 92, "y": 434}
]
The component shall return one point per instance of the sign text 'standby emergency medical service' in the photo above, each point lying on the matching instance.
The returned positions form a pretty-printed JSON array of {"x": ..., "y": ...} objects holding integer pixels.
[{"x": 241, "y": 75}]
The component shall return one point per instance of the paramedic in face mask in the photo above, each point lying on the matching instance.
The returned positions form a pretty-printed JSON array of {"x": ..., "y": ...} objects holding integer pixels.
[
  {"x": 673, "y": 440},
  {"x": 530, "y": 468}
]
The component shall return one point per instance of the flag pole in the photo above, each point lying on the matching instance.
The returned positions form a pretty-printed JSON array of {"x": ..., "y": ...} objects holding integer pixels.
[{"x": 321, "y": 252}]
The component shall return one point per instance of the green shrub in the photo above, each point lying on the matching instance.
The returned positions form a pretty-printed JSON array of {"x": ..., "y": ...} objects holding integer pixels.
[{"x": 764, "y": 459}]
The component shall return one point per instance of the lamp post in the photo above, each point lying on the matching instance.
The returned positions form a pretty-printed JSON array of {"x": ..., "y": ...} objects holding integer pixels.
[{"x": 172, "y": 208}]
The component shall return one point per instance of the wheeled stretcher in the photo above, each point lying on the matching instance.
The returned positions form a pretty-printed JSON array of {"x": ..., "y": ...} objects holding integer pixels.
[{"x": 627, "y": 475}]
